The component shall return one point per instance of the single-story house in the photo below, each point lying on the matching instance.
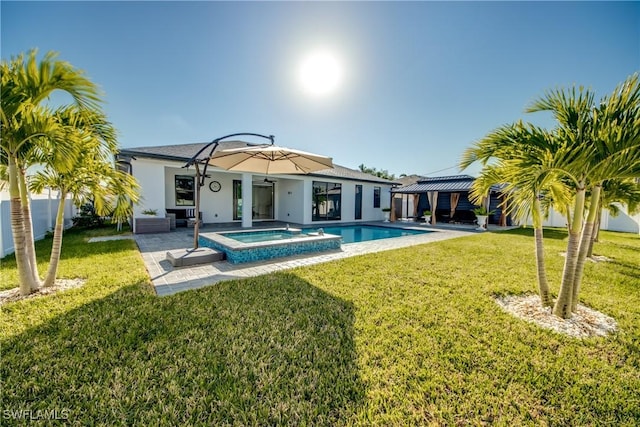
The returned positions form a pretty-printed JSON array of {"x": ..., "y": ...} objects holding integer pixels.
[
  {"x": 333, "y": 195},
  {"x": 450, "y": 197}
]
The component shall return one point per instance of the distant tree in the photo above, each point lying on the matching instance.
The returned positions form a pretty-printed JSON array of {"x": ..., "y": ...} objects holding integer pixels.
[{"x": 383, "y": 173}]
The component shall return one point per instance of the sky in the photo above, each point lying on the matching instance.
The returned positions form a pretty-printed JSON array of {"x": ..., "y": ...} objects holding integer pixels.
[{"x": 416, "y": 83}]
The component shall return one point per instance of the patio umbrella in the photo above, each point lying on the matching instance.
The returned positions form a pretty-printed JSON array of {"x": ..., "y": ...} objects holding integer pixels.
[
  {"x": 269, "y": 159},
  {"x": 263, "y": 159}
]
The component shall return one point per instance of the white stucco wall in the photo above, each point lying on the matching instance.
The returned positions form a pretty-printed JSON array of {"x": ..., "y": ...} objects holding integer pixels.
[
  {"x": 151, "y": 177},
  {"x": 292, "y": 199}
]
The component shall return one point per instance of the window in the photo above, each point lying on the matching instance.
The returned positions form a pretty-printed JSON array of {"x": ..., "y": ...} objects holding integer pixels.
[
  {"x": 185, "y": 190},
  {"x": 358, "y": 212},
  {"x": 376, "y": 197},
  {"x": 326, "y": 201},
  {"x": 237, "y": 199}
]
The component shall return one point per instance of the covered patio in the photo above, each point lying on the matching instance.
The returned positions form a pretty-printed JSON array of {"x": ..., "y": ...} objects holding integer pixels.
[{"x": 447, "y": 198}]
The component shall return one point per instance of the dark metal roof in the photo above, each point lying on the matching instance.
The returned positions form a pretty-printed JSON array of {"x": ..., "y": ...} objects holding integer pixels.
[
  {"x": 448, "y": 178},
  {"x": 440, "y": 183},
  {"x": 184, "y": 152},
  {"x": 446, "y": 184}
]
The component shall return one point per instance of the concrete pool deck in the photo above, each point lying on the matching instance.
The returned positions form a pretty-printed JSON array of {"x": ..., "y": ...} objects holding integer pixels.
[{"x": 168, "y": 280}]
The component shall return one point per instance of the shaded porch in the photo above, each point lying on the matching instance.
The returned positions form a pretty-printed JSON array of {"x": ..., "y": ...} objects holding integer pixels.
[{"x": 447, "y": 198}]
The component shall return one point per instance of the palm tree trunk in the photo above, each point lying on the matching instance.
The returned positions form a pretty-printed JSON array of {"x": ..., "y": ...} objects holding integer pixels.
[
  {"x": 563, "y": 304},
  {"x": 543, "y": 285},
  {"x": 17, "y": 229},
  {"x": 587, "y": 232},
  {"x": 28, "y": 229},
  {"x": 56, "y": 246},
  {"x": 595, "y": 232}
]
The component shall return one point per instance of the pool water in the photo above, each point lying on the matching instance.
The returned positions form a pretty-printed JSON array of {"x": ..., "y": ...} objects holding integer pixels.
[
  {"x": 259, "y": 245},
  {"x": 262, "y": 235},
  {"x": 363, "y": 233}
]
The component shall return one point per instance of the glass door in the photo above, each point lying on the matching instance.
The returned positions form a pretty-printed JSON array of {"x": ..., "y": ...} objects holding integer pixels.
[
  {"x": 358, "y": 202},
  {"x": 263, "y": 200}
]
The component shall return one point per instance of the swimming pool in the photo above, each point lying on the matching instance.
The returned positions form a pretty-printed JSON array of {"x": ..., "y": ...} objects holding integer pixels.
[
  {"x": 363, "y": 233},
  {"x": 257, "y": 245}
]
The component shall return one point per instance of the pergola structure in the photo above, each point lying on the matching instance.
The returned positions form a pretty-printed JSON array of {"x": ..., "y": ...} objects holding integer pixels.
[{"x": 447, "y": 198}]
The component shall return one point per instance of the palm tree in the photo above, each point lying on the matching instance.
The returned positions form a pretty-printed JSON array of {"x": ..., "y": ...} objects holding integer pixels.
[
  {"x": 589, "y": 146},
  {"x": 92, "y": 176},
  {"x": 520, "y": 157},
  {"x": 26, "y": 124},
  {"x": 600, "y": 143}
]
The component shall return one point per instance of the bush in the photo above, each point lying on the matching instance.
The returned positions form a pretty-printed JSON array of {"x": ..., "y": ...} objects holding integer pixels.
[{"x": 88, "y": 218}]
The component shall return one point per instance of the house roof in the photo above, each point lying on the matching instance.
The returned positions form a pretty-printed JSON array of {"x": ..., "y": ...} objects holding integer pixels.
[
  {"x": 449, "y": 184},
  {"x": 408, "y": 179},
  {"x": 184, "y": 152}
]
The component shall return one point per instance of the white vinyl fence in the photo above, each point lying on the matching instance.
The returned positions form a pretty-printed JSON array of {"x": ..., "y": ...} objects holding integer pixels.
[
  {"x": 43, "y": 212},
  {"x": 624, "y": 221}
]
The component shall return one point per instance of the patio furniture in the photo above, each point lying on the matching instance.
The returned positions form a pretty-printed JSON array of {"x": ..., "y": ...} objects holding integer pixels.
[
  {"x": 182, "y": 215},
  {"x": 464, "y": 217},
  {"x": 152, "y": 225},
  {"x": 172, "y": 221}
]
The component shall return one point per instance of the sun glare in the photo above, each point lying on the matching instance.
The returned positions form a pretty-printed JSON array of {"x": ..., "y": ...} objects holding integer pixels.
[{"x": 320, "y": 73}]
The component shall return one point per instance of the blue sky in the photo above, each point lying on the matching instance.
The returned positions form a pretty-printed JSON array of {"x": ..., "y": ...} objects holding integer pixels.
[{"x": 421, "y": 80}]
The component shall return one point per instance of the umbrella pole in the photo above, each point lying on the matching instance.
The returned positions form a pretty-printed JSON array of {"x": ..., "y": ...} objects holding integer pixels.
[{"x": 196, "y": 227}]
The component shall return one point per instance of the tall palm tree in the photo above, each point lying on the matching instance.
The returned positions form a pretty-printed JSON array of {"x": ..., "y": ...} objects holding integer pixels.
[
  {"x": 601, "y": 142},
  {"x": 590, "y": 145},
  {"x": 519, "y": 156},
  {"x": 572, "y": 110},
  {"x": 92, "y": 177},
  {"x": 25, "y": 124}
]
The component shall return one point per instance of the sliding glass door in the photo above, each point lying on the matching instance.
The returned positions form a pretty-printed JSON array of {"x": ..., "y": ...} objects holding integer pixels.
[{"x": 262, "y": 195}]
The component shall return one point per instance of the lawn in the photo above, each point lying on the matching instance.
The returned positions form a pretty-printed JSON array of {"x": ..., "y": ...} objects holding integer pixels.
[{"x": 405, "y": 337}]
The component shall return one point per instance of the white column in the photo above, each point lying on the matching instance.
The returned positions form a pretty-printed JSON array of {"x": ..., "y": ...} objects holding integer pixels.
[{"x": 247, "y": 200}]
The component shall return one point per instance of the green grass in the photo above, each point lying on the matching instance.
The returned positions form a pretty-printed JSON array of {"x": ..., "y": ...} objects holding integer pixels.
[{"x": 405, "y": 337}]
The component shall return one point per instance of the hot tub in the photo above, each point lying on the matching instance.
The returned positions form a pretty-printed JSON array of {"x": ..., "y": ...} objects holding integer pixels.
[{"x": 259, "y": 245}]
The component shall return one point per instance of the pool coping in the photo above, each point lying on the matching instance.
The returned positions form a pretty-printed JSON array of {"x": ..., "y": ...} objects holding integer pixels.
[
  {"x": 168, "y": 280},
  {"x": 238, "y": 252},
  {"x": 219, "y": 237}
]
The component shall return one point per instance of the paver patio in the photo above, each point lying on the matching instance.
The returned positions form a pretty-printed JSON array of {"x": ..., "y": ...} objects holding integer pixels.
[{"x": 169, "y": 280}]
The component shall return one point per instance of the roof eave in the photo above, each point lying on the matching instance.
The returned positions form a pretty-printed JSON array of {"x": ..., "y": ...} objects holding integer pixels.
[{"x": 133, "y": 153}]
